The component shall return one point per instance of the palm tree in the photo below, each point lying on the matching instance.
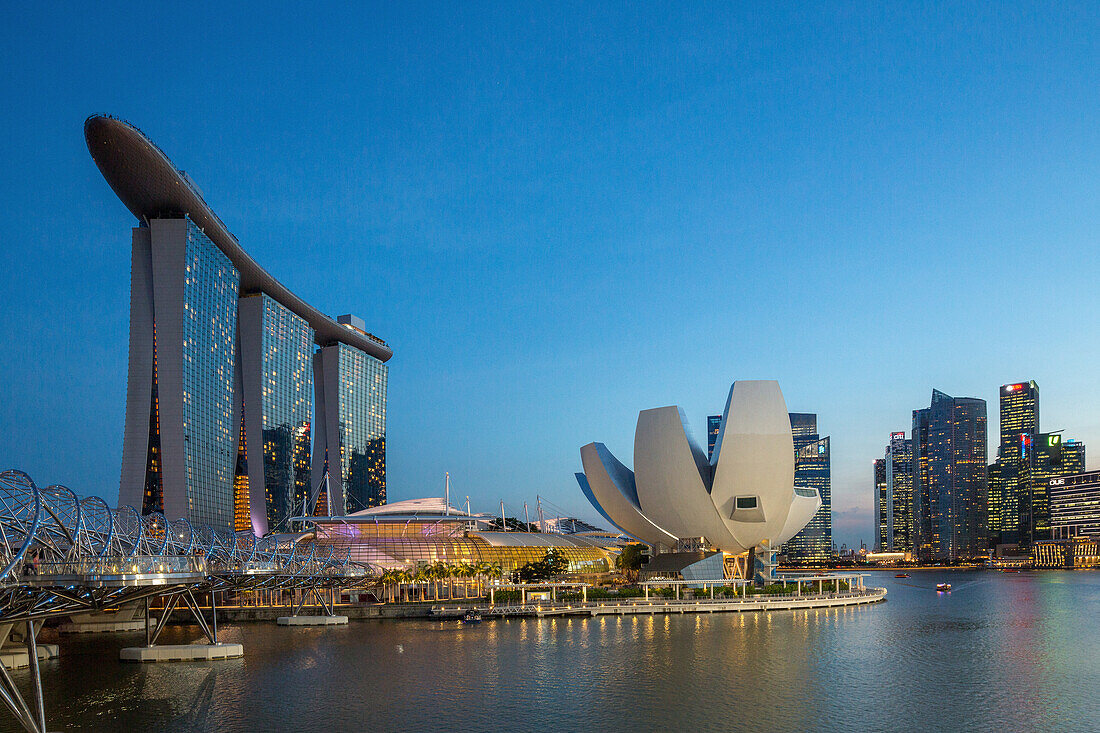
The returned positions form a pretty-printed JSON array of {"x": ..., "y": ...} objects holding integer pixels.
[
  {"x": 422, "y": 575},
  {"x": 403, "y": 577},
  {"x": 477, "y": 570},
  {"x": 465, "y": 571}
]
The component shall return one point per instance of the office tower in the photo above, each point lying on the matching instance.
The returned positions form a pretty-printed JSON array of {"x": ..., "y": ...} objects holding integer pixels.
[
  {"x": 218, "y": 401},
  {"x": 883, "y": 505},
  {"x": 803, "y": 428},
  {"x": 950, "y": 491},
  {"x": 1044, "y": 456},
  {"x": 814, "y": 543},
  {"x": 995, "y": 525},
  {"x": 714, "y": 424},
  {"x": 1009, "y": 486},
  {"x": 899, "y": 480},
  {"x": 1075, "y": 505}
]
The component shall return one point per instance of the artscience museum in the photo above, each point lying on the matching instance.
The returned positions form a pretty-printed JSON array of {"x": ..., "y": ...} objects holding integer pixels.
[{"x": 742, "y": 500}]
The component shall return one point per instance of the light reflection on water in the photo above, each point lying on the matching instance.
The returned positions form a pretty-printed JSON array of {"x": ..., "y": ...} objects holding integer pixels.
[{"x": 1001, "y": 652}]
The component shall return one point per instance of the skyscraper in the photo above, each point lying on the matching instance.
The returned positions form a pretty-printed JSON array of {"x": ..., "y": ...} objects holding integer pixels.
[
  {"x": 1019, "y": 412},
  {"x": 899, "y": 480},
  {"x": 814, "y": 543},
  {"x": 714, "y": 424},
  {"x": 277, "y": 375},
  {"x": 1019, "y": 496},
  {"x": 350, "y": 444},
  {"x": 219, "y": 398},
  {"x": 949, "y": 479},
  {"x": 1045, "y": 456},
  {"x": 882, "y": 506}
]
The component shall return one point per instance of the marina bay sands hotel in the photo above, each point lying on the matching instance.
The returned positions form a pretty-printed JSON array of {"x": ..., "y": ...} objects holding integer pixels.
[{"x": 244, "y": 404}]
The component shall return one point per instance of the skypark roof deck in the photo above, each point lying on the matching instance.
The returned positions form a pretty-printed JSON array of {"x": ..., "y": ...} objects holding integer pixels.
[{"x": 151, "y": 187}]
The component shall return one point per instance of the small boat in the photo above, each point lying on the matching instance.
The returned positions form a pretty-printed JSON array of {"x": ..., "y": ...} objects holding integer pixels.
[
  {"x": 902, "y": 575},
  {"x": 943, "y": 587},
  {"x": 471, "y": 617}
]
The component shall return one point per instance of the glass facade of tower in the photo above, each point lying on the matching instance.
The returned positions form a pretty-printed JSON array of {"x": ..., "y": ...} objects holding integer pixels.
[
  {"x": 899, "y": 479},
  {"x": 950, "y": 492},
  {"x": 1045, "y": 456},
  {"x": 209, "y": 357},
  {"x": 1009, "y": 486},
  {"x": 882, "y": 505},
  {"x": 286, "y": 374},
  {"x": 362, "y": 386},
  {"x": 1019, "y": 405},
  {"x": 1075, "y": 505},
  {"x": 714, "y": 424},
  {"x": 803, "y": 428},
  {"x": 814, "y": 542}
]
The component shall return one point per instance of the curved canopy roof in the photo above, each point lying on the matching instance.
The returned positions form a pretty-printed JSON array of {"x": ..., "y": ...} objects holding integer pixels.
[{"x": 148, "y": 183}]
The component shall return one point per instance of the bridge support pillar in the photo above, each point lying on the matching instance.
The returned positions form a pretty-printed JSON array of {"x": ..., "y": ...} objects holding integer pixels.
[
  {"x": 151, "y": 652},
  {"x": 32, "y": 717},
  {"x": 328, "y": 619}
]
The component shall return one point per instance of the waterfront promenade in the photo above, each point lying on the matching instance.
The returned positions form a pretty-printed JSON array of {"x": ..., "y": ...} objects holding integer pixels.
[{"x": 637, "y": 607}]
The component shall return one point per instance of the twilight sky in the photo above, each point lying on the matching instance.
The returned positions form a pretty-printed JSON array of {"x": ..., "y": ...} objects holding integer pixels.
[{"x": 558, "y": 216}]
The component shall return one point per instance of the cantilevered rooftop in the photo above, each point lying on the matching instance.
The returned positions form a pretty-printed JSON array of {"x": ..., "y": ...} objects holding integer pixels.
[{"x": 151, "y": 187}]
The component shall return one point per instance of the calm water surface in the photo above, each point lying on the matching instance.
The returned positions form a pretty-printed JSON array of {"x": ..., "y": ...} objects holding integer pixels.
[{"x": 1002, "y": 652}]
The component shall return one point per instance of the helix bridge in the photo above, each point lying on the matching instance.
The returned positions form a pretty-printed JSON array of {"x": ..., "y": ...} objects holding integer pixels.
[{"x": 63, "y": 555}]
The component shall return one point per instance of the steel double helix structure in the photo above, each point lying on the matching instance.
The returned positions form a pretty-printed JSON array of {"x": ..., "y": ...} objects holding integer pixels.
[{"x": 63, "y": 554}]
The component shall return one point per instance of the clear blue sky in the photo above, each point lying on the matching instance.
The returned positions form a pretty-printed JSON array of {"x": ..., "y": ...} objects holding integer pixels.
[{"x": 558, "y": 216}]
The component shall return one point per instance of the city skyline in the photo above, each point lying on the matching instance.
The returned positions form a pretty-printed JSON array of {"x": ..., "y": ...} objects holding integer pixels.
[{"x": 532, "y": 217}]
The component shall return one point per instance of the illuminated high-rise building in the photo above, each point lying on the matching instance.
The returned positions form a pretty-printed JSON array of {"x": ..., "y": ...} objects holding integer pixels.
[
  {"x": 219, "y": 392},
  {"x": 1009, "y": 486},
  {"x": 350, "y": 442},
  {"x": 899, "y": 481},
  {"x": 882, "y": 506},
  {"x": 277, "y": 377},
  {"x": 1044, "y": 456},
  {"x": 812, "y": 470},
  {"x": 950, "y": 487},
  {"x": 714, "y": 424}
]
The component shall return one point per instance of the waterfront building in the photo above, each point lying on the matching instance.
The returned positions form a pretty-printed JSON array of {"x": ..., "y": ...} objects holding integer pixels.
[
  {"x": 899, "y": 480},
  {"x": 813, "y": 471},
  {"x": 408, "y": 534},
  {"x": 996, "y": 504},
  {"x": 276, "y": 349},
  {"x": 218, "y": 413},
  {"x": 1075, "y": 505},
  {"x": 1070, "y": 554},
  {"x": 814, "y": 543},
  {"x": 350, "y": 445},
  {"x": 1045, "y": 456},
  {"x": 883, "y": 505},
  {"x": 894, "y": 495},
  {"x": 744, "y": 499},
  {"x": 949, "y": 479},
  {"x": 1009, "y": 486},
  {"x": 1019, "y": 499}
]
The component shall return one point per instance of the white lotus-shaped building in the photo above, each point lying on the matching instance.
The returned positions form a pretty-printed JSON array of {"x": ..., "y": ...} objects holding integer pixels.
[{"x": 742, "y": 498}]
